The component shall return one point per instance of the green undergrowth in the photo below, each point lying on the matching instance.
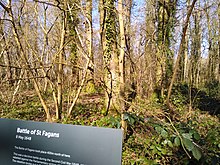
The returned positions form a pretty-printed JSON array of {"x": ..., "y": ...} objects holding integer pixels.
[
  {"x": 165, "y": 142},
  {"x": 189, "y": 136},
  {"x": 30, "y": 110}
]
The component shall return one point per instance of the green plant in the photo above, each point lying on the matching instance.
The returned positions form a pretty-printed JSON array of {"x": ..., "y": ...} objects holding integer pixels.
[{"x": 187, "y": 137}]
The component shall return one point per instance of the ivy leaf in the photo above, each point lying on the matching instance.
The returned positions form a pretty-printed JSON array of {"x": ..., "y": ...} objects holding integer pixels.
[
  {"x": 177, "y": 141},
  {"x": 158, "y": 129},
  {"x": 158, "y": 148},
  {"x": 132, "y": 162},
  {"x": 131, "y": 120},
  {"x": 196, "y": 153},
  {"x": 152, "y": 147},
  {"x": 126, "y": 116},
  {"x": 196, "y": 136},
  {"x": 188, "y": 144},
  {"x": 187, "y": 135},
  {"x": 165, "y": 142},
  {"x": 164, "y": 133},
  {"x": 164, "y": 152},
  {"x": 170, "y": 144}
]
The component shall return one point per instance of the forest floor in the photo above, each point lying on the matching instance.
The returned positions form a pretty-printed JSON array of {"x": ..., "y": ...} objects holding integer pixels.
[{"x": 191, "y": 135}]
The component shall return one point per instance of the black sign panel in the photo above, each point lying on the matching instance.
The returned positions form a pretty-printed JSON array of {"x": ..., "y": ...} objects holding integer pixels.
[{"x": 39, "y": 143}]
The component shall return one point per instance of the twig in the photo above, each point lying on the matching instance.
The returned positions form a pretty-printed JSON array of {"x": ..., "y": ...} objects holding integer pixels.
[
  {"x": 178, "y": 134},
  {"x": 26, "y": 78},
  {"x": 17, "y": 67}
]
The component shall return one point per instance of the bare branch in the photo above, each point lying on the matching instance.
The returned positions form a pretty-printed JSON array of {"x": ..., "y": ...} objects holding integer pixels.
[
  {"x": 50, "y": 4},
  {"x": 26, "y": 78},
  {"x": 4, "y": 7},
  {"x": 17, "y": 67}
]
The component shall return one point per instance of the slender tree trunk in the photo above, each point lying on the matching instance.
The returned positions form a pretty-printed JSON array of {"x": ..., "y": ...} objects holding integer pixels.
[
  {"x": 129, "y": 59},
  {"x": 102, "y": 20},
  {"x": 73, "y": 21},
  {"x": 121, "y": 65},
  {"x": 211, "y": 49},
  {"x": 60, "y": 65},
  {"x": 150, "y": 53},
  {"x": 196, "y": 50},
  {"x": 45, "y": 45},
  {"x": 183, "y": 66},
  {"x": 185, "y": 26},
  {"x": 185, "y": 69},
  {"x": 89, "y": 43}
]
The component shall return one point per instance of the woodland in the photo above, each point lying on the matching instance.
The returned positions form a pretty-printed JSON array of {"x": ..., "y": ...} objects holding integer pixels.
[{"x": 148, "y": 67}]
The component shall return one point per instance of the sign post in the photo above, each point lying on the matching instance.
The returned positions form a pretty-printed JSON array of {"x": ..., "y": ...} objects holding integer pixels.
[{"x": 41, "y": 143}]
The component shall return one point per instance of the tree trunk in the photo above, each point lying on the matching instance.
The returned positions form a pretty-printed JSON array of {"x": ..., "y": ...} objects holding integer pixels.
[
  {"x": 166, "y": 10},
  {"x": 89, "y": 43},
  {"x": 185, "y": 26},
  {"x": 196, "y": 50},
  {"x": 121, "y": 66},
  {"x": 110, "y": 56},
  {"x": 60, "y": 65}
]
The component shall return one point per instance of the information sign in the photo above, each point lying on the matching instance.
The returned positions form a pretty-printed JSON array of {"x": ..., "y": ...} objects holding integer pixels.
[{"x": 41, "y": 143}]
